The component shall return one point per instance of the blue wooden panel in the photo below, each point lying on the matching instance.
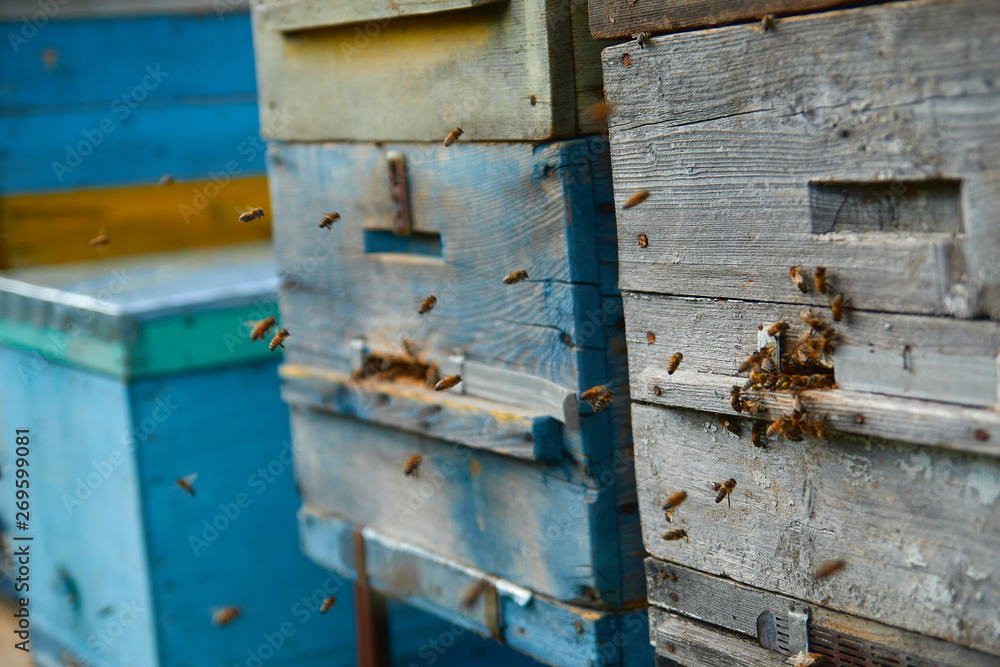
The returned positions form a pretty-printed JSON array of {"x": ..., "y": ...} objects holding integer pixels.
[
  {"x": 90, "y": 62},
  {"x": 190, "y": 141}
]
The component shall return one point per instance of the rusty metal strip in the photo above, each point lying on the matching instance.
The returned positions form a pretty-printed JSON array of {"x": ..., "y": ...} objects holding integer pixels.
[{"x": 370, "y": 612}]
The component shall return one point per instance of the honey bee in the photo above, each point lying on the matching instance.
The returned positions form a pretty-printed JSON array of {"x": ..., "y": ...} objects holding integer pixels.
[
  {"x": 751, "y": 362},
  {"x": 675, "y": 361},
  {"x": 261, "y": 328},
  {"x": 754, "y": 407},
  {"x": 812, "y": 321},
  {"x": 837, "y": 307},
  {"x": 730, "y": 425},
  {"x": 754, "y": 380},
  {"x": 643, "y": 241},
  {"x": 674, "y": 500},
  {"x": 453, "y": 136},
  {"x": 472, "y": 594},
  {"x": 643, "y": 38},
  {"x": 680, "y": 534},
  {"x": 448, "y": 382},
  {"x": 819, "y": 279},
  {"x": 766, "y": 363},
  {"x": 427, "y": 305},
  {"x": 777, "y": 328},
  {"x": 602, "y": 401},
  {"x": 515, "y": 277},
  {"x": 100, "y": 240},
  {"x": 167, "y": 179},
  {"x": 797, "y": 278},
  {"x": 821, "y": 430},
  {"x": 328, "y": 220},
  {"x": 724, "y": 490},
  {"x": 278, "y": 340},
  {"x": 252, "y": 214},
  {"x": 636, "y": 199},
  {"x": 327, "y": 604},
  {"x": 734, "y": 399},
  {"x": 597, "y": 113},
  {"x": 826, "y": 568},
  {"x": 411, "y": 465},
  {"x": 804, "y": 659},
  {"x": 226, "y": 615},
  {"x": 593, "y": 392},
  {"x": 797, "y": 405},
  {"x": 755, "y": 434},
  {"x": 187, "y": 483},
  {"x": 767, "y": 22},
  {"x": 650, "y": 337}
]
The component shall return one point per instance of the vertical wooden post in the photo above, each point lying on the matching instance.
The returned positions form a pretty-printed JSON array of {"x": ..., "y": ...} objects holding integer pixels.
[{"x": 370, "y": 614}]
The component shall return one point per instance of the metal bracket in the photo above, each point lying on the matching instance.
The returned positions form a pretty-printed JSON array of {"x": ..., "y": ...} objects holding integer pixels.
[
  {"x": 399, "y": 193},
  {"x": 798, "y": 629}
]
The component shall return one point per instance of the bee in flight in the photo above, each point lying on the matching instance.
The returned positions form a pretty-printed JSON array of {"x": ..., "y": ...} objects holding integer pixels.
[
  {"x": 448, "y": 382},
  {"x": 226, "y": 615},
  {"x": 427, "y": 304},
  {"x": 636, "y": 199},
  {"x": 327, "y": 604},
  {"x": 187, "y": 483},
  {"x": 724, "y": 489},
  {"x": 679, "y": 534},
  {"x": 826, "y": 568},
  {"x": 100, "y": 240},
  {"x": 453, "y": 136},
  {"x": 261, "y": 327},
  {"x": 602, "y": 401},
  {"x": 675, "y": 361},
  {"x": 837, "y": 307},
  {"x": 755, "y": 434},
  {"x": 252, "y": 214},
  {"x": 411, "y": 465},
  {"x": 328, "y": 220},
  {"x": 777, "y": 328},
  {"x": 671, "y": 503},
  {"x": 279, "y": 340},
  {"x": 515, "y": 277},
  {"x": 798, "y": 279},
  {"x": 819, "y": 279}
]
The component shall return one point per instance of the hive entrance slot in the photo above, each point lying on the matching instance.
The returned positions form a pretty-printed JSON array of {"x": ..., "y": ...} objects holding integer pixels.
[
  {"x": 427, "y": 244},
  {"x": 894, "y": 206}
]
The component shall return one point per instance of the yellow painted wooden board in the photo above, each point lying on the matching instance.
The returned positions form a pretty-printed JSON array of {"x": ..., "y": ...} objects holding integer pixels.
[{"x": 57, "y": 227}]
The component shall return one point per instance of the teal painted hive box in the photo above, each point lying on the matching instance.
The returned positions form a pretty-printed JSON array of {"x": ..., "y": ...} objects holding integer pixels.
[{"x": 129, "y": 375}]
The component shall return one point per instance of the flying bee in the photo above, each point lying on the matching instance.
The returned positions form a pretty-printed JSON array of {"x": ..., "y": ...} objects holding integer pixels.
[
  {"x": 327, "y": 604},
  {"x": 643, "y": 38},
  {"x": 797, "y": 278},
  {"x": 826, "y": 345},
  {"x": 675, "y": 361},
  {"x": 734, "y": 399},
  {"x": 427, "y": 305},
  {"x": 411, "y": 465},
  {"x": 675, "y": 499},
  {"x": 812, "y": 321},
  {"x": 837, "y": 307},
  {"x": 671, "y": 535},
  {"x": 472, "y": 594},
  {"x": 261, "y": 327},
  {"x": 252, "y": 214},
  {"x": 777, "y": 427},
  {"x": 328, "y": 220},
  {"x": 755, "y": 434},
  {"x": 826, "y": 568},
  {"x": 187, "y": 483},
  {"x": 819, "y": 279},
  {"x": 777, "y": 328},
  {"x": 724, "y": 490},
  {"x": 226, "y": 615},
  {"x": 100, "y": 240},
  {"x": 730, "y": 425},
  {"x": 448, "y": 382},
  {"x": 453, "y": 136},
  {"x": 515, "y": 277},
  {"x": 593, "y": 392},
  {"x": 636, "y": 199},
  {"x": 751, "y": 362},
  {"x": 602, "y": 401},
  {"x": 754, "y": 407},
  {"x": 278, "y": 340}
]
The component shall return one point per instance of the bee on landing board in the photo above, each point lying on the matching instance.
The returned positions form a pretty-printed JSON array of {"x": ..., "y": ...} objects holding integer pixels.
[
  {"x": 679, "y": 534},
  {"x": 261, "y": 327},
  {"x": 826, "y": 568},
  {"x": 453, "y": 136},
  {"x": 755, "y": 434},
  {"x": 472, "y": 594},
  {"x": 328, "y": 220},
  {"x": 427, "y": 305},
  {"x": 798, "y": 279},
  {"x": 515, "y": 277},
  {"x": 100, "y": 240},
  {"x": 187, "y": 483},
  {"x": 643, "y": 38},
  {"x": 636, "y": 199},
  {"x": 448, "y": 382},
  {"x": 226, "y": 615},
  {"x": 252, "y": 214},
  {"x": 278, "y": 340},
  {"x": 730, "y": 425},
  {"x": 819, "y": 279},
  {"x": 724, "y": 490},
  {"x": 675, "y": 361},
  {"x": 411, "y": 465},
  {"x": 327, "y": 604},
  {"x": 777, "y": 328},
  {"x": 734, "y": 399}
]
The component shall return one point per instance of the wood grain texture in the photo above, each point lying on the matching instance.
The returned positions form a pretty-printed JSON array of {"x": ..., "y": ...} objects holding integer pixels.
[
  {"x": 587, "y": 72},
  {"x": 897, "y": 95},
  {"x": 288, "y": 15},
  {"x": 685, "y": 641},
  {"x": 611, "y": 19},
  {"x": 916, "y": 525},
  {"x": 735, "y": 607},
  {"x": 414, "y": 78}
]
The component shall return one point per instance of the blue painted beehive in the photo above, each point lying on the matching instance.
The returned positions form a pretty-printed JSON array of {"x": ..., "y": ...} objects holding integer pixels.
[{"x": 128, "y": 376}]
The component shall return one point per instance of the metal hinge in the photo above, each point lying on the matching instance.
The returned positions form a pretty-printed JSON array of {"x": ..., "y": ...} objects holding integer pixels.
[{"x": 798, "y": 629}]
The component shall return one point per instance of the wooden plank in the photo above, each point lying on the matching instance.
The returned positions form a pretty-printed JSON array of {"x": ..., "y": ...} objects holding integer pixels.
[
  {"x": 731, "y": 223},
  {"x": 937, "y": 358},
  {"x": 408, "y": 406},
  {"x": 691, "y": 643},
  {"x": 611, "y": 19},
  {"x": 57, "y": 227},
  {"x": 797, "y": 504},
  {"x": 288, "y": 15},
  {"x": 501, "y": 71},
  {"x": 16, "y": 10},
  {"x": 736, "y": 607},
  {"x": 587, "y": 73}
]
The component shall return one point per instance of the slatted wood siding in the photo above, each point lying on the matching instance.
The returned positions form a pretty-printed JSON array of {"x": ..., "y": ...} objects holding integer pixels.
[{"x": 863, "y": 140}]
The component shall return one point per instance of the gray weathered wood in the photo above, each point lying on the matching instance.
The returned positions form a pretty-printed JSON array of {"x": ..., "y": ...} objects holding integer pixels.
[
  {"x": 626, "y": 18},
  {"x": 735, "y": 606},
  {"x": 693, "y": 644},
  {"x": 733, "y": 143},
  {"x": 287, "y": 15},
  {"x": 938, "y": 358},
  {"x": 415, "y": 78},
  {"x": 919, "y": 527},
  {"x": 587, "y": 72}
]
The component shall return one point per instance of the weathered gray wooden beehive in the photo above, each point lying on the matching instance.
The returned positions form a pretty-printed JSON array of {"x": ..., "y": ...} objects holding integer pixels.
[{"x": 867, "y": 141}]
